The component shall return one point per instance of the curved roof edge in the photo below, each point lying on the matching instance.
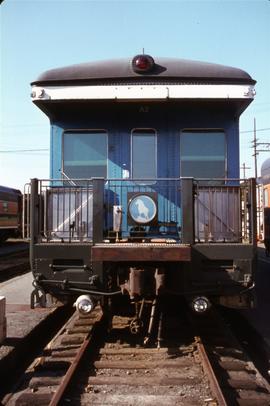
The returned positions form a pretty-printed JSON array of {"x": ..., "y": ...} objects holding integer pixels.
[
  {"x": 265, "y": 172},
  {"x": 181, "y": 70},
  {"x": 5, "y": 189}
]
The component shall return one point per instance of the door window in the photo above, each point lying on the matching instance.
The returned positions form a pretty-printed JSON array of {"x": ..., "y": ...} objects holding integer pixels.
[{"x": 144, "y": 156}]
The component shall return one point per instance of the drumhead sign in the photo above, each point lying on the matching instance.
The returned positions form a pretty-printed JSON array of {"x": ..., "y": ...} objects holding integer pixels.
[{"x": 142, "y": 209}]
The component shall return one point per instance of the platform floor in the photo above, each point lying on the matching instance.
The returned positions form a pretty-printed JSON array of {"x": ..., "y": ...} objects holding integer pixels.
[
  {"x": 17, "y": 290},
  {"x": 21, "y": 320}
]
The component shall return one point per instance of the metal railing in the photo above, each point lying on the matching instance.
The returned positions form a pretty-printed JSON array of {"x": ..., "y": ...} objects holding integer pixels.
[
  {"x": 224, "y": 213},
  {"x": 26, "y": 212},
  {"x": 65, "y": 212},
  {"x": 187, "y": 210},
  {"x": 166, "y": 193},
  {"x": 217, "y": 212}
]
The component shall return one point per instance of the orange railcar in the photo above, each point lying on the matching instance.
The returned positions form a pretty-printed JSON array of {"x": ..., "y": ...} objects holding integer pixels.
[{"x": 10, "y": 213}]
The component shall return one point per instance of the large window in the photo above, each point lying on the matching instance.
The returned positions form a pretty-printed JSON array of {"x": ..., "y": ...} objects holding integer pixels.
[
  {"x": 85, "y": 154},
  {"x": 203, "y": 154},
  {"x": 144, "y": 154}
]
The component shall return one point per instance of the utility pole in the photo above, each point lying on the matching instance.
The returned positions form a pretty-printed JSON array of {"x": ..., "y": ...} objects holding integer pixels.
[
  {"x": 255, "y": 150},
  {"x": 265, "y": 147},
  {"x": 244, "y": 167}
]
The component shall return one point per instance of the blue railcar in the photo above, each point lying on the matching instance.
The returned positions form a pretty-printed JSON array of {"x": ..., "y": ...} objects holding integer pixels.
[{"x": 144, "y": 196}]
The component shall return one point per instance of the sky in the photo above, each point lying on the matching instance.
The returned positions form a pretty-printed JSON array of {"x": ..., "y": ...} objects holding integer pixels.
[{"x": 37, "y": 35}]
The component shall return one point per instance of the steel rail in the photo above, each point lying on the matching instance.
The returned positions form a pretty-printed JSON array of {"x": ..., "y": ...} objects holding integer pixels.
[
  {"x": 69, "y": 374},
  {"x": 71, "y": 370},
  {"x": 215, "y": 387},
  {"x": 16, "y": 387}
]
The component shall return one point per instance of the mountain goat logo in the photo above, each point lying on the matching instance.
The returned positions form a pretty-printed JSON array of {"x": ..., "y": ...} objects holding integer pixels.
[{"x": 143, "y": 211}]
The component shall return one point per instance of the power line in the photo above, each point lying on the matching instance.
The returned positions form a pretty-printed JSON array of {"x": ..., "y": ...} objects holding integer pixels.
[
  {"x": 14, "y": 151},
  {"x": 44, "y": 125},
  {"x": 264, "y": 147},
  {"x": 23, "y": 125},
  {"x": 252, "y": 131}
]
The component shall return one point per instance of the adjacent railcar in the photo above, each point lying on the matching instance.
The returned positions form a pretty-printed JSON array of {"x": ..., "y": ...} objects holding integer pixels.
[
  {"x": 10, "y": 213},
  {"x": 144, "y": 198},
  {"x": 265, "y": 177}
]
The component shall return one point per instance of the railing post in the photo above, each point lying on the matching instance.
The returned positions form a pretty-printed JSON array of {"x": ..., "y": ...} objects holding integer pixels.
[
  {"x": 253, "y": 211},
  {"x": 34, "y": 219},
  {"x": 187, "y": 209},
  {"x": 98, "y": 209}
]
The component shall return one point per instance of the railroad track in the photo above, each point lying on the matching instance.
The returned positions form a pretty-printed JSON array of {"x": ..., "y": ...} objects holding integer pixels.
[
  {"x": 87, "y": 364},
  {"x": 13, "y": 263},
  {"x": 45, "y": 380},
  {"x": 126, "y": 372},
  {"x": 240, "y": 381}
]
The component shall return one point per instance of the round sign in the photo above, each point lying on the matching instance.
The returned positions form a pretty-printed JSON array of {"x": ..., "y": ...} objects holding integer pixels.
[{"x": 142, "y": 209}]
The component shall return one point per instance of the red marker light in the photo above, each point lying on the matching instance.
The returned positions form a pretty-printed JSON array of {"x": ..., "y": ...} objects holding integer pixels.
[{"x": 143, "y": 63}]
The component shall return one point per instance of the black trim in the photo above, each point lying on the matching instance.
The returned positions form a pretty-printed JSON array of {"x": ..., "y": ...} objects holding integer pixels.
[{"x": 149, "y": 80}]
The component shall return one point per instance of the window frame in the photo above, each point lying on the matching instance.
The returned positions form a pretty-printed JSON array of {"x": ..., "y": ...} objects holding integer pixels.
[
  {"x": 205, "y": 130},
  {"x": 87, "y": 131},
  {"x": 141, "y": 129}
]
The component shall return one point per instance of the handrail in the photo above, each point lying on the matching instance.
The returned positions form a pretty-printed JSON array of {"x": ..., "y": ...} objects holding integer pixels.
[
  {"x": 148, "y": 179},
  {"x": 68, "y": 179}
]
